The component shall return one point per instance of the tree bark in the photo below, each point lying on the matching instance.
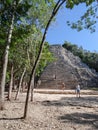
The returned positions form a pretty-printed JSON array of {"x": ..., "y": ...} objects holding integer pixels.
[
  {"x": 5, "y": 62},
  {"x": 32, "y": 88},
  {"x": 20, "y": 83},
  {"x": 55, "y": 10},
  {"x": 11, "y": 84}
]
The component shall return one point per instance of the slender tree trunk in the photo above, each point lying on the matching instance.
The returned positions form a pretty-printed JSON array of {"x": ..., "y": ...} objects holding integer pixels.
[
  {"x": 14, "y": 85},
  {"x": 11, "y": 84},
  {"x": 33, "y": 76},
  {"x": 32, "y": 88},
  {"x": 20, "y": 83},
  {"x": 27, "y": 97},
  {"x": 5, "y": 62},
  {"x": 55, "y": 10}
]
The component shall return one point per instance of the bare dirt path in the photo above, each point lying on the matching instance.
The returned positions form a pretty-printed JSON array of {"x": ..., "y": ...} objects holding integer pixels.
[{"x": 52, "y": 112}]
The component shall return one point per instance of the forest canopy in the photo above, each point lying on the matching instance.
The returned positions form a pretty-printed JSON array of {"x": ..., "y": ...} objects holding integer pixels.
[{"x": 90, "y": 58}]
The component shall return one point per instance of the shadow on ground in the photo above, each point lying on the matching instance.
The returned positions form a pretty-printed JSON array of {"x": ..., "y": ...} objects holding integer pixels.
[
  {"x": 91, "y": 101},
  {"x": 80, "y": 118},
  {"x": 9, "y": 119}
]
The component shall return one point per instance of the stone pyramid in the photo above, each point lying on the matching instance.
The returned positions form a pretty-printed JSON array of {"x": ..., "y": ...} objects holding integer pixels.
[{"x": 67, "y": 71}]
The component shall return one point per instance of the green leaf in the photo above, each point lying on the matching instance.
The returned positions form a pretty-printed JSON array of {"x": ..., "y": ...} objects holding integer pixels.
[{"x": 9, "y": 1}]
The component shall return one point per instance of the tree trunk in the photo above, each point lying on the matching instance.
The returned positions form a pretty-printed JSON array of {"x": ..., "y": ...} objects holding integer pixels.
[
  {"x": 27, "y": 97},
  {"x": 5, "y": 62},
  {"x": 20, "y": 83},
  {"x": 32, "y": 88},
  {"x": 11, "y": 84},
  {"x": 56, "y": 8}
]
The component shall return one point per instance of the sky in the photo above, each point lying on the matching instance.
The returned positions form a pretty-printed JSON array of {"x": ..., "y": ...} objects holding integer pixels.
[{"x": 59, "y": 32}]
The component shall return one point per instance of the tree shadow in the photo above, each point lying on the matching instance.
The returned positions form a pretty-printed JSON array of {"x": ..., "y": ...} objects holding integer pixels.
[
  {"x": 91, "y": 101},
  {"x": 80, "y": 118},
  {"x": 52, "y": 103},
  {"x": 17, "y": 101},
  {"x": 10, "y": 119},
  {"x": 77, "y": 117}
]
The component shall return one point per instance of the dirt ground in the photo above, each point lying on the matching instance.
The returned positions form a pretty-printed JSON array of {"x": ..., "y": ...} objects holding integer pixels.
[{"x": 51, "y": 112}]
